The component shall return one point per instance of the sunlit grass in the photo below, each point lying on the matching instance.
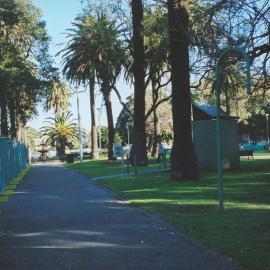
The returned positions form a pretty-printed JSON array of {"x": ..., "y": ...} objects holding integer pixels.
[
  {"x": 241, "y": 231},
  {"x": 100, "y": 168}
]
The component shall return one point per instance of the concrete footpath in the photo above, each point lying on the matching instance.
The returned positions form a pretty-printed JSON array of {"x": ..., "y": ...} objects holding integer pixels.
[{"x": 61, "y": 220}]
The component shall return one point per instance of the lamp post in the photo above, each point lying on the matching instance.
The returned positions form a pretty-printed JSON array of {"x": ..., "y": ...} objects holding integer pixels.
[
  {"x": 99, "y": 130},
  {"x": 267, "y": 128},
  {"x": 99, "y": 126},
  {"x": 79, "y": 126},
  {"x": 218, "y": 88},
  {"x": 128, "y": 133}
]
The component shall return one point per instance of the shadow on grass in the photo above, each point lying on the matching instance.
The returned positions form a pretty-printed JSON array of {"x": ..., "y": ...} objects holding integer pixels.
[{"x": 241, "y": 231}]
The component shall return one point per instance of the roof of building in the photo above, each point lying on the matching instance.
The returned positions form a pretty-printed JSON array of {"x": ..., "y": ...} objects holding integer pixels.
[{"x": 210, "y": 110}]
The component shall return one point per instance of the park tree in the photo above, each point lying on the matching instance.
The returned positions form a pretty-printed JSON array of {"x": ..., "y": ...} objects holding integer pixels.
[
  {"x": 33, "y": 137},
  {"x": 124, "y": 124},
  {"x": 57, "y": 97},
  {"x": 23, "y": 97},
  {"x": 23, "y": 55},
  {"x": 99, "y": 44},
  {"x": 104, "y": 139},
  {"x": 139, "y": 135},
  {"x": 79, "y": 66},
  {"x": 60, "y": 131},
  {"x": 217, "y": 25},
  {"x": 156, "y": 42},
  {"x": 183, "y": 160}
]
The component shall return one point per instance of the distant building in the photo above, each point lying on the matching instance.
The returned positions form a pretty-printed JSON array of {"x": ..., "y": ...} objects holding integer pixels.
[{"x": 204, "y": 138}]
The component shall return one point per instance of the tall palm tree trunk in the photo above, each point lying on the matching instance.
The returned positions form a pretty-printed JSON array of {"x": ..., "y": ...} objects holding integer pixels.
[
  {"x": 111, "y": 132},
  {"x": 139, "y": 134},
  {"x": 4, "y": 115},
  {"x": 227, "y": 101},
  {"x": 19, "y": 133},
  {"x": 156, "y": 121},
  {"x": 94, "y": 139},
  {"x": 13, "y": 121},
  {"x": 62, "y": 147},
  {"x": 183, "y": 160}
]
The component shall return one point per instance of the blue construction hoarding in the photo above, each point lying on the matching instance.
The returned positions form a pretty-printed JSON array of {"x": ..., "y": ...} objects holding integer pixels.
[{"x": 13, "y": 159}]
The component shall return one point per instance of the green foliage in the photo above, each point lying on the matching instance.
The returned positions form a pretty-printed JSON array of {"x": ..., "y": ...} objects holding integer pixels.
[
  {"x": 105, "y": 137},
  {"x": 156, "y": 39},
  {"x": 255, "y": 127},
  {"x": 57, "y": 97},
  {"x": 33, "y": 137},
  {"x": 60, "y": 132},
  {"x": 125, "y": 119},
  {"x": 94, "y": 47},
  {"x": 23, "y": 57}
]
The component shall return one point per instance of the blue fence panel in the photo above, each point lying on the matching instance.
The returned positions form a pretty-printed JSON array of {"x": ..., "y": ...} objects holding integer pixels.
[
  {"x": 254, "y": 147},
  {"x": 13, "y": 159}
]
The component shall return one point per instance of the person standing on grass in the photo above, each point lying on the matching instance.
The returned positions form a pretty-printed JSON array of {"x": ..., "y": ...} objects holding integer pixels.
[{"x": 160, "y": 151}]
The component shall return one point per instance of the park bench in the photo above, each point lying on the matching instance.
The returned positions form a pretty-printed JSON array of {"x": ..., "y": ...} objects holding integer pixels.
[{"x": 246, "y": 153}]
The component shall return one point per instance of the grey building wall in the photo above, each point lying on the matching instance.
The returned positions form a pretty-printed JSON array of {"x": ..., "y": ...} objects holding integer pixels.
[{"x": 204, "y": 138}]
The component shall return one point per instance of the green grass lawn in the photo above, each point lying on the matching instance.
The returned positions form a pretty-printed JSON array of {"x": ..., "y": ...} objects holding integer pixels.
[
  {"x": 96, "y": 168},
  {"x": 265, "y": 154},
  {"x": 241, "y": 232}
]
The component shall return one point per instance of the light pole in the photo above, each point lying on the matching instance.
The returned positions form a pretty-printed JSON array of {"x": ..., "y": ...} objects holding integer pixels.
[
  {"x": 79, "y": 126},
  {"x": 128, "y": 133},
  {"x": 267, "y": 128},
  {"x": 218, "y": 88},
  {"x": 99, "y": 126}
]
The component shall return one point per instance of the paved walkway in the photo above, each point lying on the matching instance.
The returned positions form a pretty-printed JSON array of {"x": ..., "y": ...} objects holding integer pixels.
[{"x": 60, "y": 220}]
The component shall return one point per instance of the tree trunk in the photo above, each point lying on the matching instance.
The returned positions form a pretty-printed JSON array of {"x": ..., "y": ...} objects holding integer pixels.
[
  {"x": 108, "y": 105},
  {"x": 13, "y": 121},
  {"x": 139, "y": 134},
  {"x": 4, "y": 115},
  {"x": 62, "y": 147},
  {"x": 94, "y": 139},
  {"x": 23, "y": 133},
  {"x": 227, "y": 101},
  {"x": 19, "y": 133},
  {"x": 183, "y": 159},
  {"x": 156, "y": 121}
]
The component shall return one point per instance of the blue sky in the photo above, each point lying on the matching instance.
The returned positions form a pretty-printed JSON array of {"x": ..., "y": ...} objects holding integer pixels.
[{"x": 59, "y": 14}]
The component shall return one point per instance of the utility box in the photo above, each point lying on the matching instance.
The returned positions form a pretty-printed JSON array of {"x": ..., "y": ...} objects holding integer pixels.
[{"x": 204, "y": 139}]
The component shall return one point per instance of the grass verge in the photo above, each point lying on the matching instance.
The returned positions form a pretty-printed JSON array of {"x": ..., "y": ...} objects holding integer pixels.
[
  {"x": 95, "y": 168},
  {"x": 241, "y": 232},
  {"x": 12, "y": 185}
]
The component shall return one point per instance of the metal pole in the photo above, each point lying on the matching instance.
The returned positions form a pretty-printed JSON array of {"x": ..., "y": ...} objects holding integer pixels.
[
  {"x": 99, "y": 129},
  {"x": 219, "y": 151},
  {"x": 135, "y": 165},
  {"x": 165, "y": 158},
  {"x": 128, "y": 132},
  {"x": 248, "y": 86},
  {"x": 79, "y": 125},
  {"x": 127, "y": 164},
  {"x": 267, "y": 129}
]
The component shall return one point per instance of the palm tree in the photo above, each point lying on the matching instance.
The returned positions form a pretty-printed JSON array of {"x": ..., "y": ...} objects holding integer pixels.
[
  {"x": 111, "y": 58},
  {"x": 183, "y": 160},
  {"x": 60, "y": 132},
  {"x": 95, "y": 49},
  {"x": 232, "y": 82},
  {"x": 57, "y": 97},
  {"x": 139, "y": 134},
  {"x": 79, "y": 58},
  {"x": 156, "y": 51},
  {"x": 32, "y": 137}
]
